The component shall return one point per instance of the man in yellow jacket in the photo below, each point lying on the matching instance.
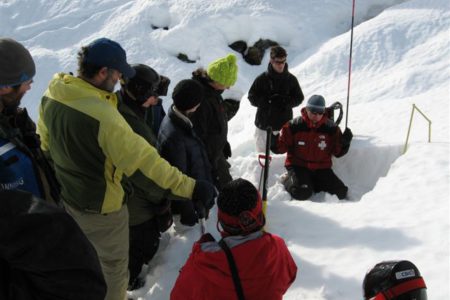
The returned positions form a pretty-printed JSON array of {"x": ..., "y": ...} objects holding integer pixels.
[{"x": 92, "y": 147}]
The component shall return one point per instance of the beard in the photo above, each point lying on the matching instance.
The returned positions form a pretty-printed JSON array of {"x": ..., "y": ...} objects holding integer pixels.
[
  {"x": 12, "y": 100},
  {"x": 108, "y": 84}
]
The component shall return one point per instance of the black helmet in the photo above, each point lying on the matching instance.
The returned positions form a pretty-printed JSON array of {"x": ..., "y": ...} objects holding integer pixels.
[
  {"x": 144, "y": 84},
  {"x": 394, "y": 280}
]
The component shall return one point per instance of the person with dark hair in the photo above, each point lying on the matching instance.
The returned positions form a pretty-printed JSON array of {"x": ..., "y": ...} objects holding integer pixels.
[
  {"x": 43, "y": 253},
  {"x": 210, "y": 120},
  {"x": 275, "y": 93},
  {"x": 92, "y": 148},
  {"x": 394, "y": 280},
  {"x": 310, "y": 141},
  {"x": 181, "y": 147},
  {"x": 22, "y": 163},
  {"x": 148, "y": 204},
  {"x": 246, "y": 263}
]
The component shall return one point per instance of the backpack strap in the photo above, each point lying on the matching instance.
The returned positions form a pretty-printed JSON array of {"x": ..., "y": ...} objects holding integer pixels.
[
  {"x": 330, "y": 112},
  {"x": 233, "y": 268}
]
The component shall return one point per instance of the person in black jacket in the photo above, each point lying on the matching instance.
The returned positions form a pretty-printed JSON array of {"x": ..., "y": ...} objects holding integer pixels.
[
  {"x": 274, "y": 92},
  {"x": 22, "y": 163},
  {"x": 179, "y": 144},
  {"x": 148, "y": 206},
  {"x": 211, "y": 118},
  {"x": 44, "y": 254}
]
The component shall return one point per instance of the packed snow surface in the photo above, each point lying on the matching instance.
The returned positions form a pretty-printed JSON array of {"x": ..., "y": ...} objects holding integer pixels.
[{"x": 398, "y": 205}]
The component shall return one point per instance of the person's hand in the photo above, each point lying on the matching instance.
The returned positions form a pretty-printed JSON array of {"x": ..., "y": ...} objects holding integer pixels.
[
  {"x": 347, "y": 137},
  {"x": 203, "y": 197},
  {"x": 227, "y": 150}
]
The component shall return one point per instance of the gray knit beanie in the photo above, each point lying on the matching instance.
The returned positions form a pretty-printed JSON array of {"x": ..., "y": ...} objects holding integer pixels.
[{"x": 16, "y": 63}]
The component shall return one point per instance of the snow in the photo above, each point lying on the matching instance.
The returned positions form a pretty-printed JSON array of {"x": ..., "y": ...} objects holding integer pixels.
[{"x": 399, "y": 202}]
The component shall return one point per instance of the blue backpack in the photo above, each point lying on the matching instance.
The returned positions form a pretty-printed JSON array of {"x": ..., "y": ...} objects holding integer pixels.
[{"x": 16, "y": 170}]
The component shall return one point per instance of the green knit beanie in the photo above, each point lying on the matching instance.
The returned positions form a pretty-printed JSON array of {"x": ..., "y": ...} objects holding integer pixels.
[{"x": 224, "y": 70}]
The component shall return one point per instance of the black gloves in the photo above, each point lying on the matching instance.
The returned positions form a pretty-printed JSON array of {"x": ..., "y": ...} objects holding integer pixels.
[
  {"x": 203, "y": 197},
  {"x": 163, "y": 214},
  {"x": 227, "y": 150},
  {"x": 231, "y": 107},
  {"x": 347, "y": 137}
]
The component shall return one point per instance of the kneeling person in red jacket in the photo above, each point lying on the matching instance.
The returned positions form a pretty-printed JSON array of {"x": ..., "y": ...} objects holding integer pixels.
[
  {"x": 310, "y": 141},
  {"x": 265, "y": 268}
]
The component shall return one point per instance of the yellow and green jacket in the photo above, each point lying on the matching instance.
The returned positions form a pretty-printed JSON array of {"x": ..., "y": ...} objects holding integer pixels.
[{"x": 92, "y": 147}]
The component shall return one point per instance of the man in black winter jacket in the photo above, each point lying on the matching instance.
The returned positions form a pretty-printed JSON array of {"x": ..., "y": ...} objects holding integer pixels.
[
  {"x": 22, "y": 163},
  {"x": 44, "y": 254},
  {"x": 275, "y": 92},
  {"x": 179, "y": 144}
]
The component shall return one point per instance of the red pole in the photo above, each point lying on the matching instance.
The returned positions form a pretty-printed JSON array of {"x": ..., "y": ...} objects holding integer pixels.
[{"x": 350, "y": 63}]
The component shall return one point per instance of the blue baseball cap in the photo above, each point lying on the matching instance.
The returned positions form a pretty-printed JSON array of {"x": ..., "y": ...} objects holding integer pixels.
[{"x": 107, "y": 53}]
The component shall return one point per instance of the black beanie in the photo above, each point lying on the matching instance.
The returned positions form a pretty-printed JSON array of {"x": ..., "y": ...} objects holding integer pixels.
[
  {"x": 187, "y": 94},
  {"x": 16, "y": 63},
  {"x": 240, "y": 208}
]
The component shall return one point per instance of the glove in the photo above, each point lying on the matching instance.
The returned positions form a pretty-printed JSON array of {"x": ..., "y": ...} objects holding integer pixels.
[
  {"x": 347, "y": 137},
  {"x": 231, "y": 107},
  {"x": 163, "y": 215},
  {"x": 227, "y": 150},
  {"x": 188, "y": 216},
  {"x": 203, "y": 197}
]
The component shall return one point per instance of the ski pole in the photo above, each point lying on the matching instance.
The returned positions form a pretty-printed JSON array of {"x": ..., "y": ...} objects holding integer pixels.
[
  {"x": 266, "y": 168},
  {"x": 201, "y": 212},
  {"x": 350, "y": 62}
]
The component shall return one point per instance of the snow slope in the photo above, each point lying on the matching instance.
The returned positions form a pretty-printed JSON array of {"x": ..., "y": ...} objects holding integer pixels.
[{"x": 399, "y": 203}]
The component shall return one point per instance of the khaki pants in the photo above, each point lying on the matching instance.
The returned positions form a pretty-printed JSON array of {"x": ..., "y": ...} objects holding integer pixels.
[{"x": 110, "y": 236}]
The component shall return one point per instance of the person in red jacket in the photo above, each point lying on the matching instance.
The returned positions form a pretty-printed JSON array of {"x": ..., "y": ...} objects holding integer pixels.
[
  {"x": 310, "y": 141},
  {"x": 265, "y": 268}
]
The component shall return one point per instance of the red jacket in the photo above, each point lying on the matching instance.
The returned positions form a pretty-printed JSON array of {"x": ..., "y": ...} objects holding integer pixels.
[
  {"x": 308, "y": 145},
  {"x": 265, "y": 267}
]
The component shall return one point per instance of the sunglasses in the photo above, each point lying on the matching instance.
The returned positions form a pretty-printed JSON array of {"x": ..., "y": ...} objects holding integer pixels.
[
  {"x": 317, "y": 113},
  {"x": 279, "y": 62}
]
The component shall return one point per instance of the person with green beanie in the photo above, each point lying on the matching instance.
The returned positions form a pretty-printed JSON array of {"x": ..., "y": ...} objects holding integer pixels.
[
  {"x": 210, "y": 119},
  {"x": 224, "y": 71}
]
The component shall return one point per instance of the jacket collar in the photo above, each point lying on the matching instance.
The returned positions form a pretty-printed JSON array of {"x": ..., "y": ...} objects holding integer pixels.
[
  {"x": 179, "y": 119},
  {"x": 66, "y": 88},
  {"x": 275, "y": 75}
]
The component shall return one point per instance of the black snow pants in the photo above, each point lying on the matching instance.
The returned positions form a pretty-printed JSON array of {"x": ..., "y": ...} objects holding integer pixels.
[
  {"x": 144, "y": 242},
  {"x": 302, "y": 182}
]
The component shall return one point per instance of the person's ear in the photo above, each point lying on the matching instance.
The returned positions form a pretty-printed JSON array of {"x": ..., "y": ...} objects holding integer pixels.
[{"x": 103, "y": 73}]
